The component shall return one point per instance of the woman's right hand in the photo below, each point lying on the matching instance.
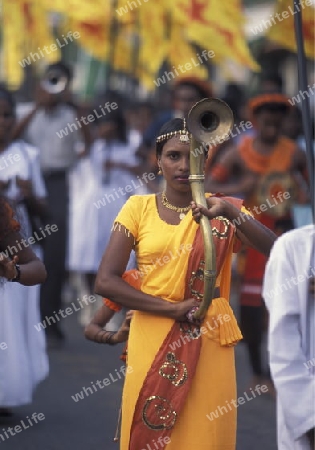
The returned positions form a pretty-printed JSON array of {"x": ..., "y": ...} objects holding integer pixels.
[
  {"x": 8, "y": 267},
  {"x": 180, "y": 309}
]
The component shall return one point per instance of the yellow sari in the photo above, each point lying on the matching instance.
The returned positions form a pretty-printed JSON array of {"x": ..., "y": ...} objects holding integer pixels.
[{"x": 208, "y": 418}]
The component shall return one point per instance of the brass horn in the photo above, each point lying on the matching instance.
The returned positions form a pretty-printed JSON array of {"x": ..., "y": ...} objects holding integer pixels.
[
  {"x": 207, "y": 120},
  {"x": 54, "y": 82},
  {"x": 210, "y": 119}
]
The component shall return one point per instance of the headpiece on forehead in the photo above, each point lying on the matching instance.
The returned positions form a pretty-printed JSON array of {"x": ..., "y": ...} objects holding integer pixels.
[
  {"x": 184, "y": 135},
  {"x": 265, "y": 99}
]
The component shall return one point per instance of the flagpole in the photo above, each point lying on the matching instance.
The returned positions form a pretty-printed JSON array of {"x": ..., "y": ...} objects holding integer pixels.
[{"x": 303, "y": 86}]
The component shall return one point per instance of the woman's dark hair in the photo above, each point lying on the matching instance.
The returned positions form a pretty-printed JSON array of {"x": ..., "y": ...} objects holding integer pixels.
[
  {"x": 6, "y": 95},
  {"x": 168, "y": 127}
]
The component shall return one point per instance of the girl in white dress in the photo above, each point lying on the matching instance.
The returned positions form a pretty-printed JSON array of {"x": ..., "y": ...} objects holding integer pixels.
[
  {"x": 24, "y": 363},
  {"x": 100, "y": 185}
]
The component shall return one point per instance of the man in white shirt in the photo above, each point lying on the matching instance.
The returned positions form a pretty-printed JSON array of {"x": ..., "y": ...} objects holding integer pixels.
[
  {"x": 289, "y": 295},
  {"x": 53, "y": 126}
]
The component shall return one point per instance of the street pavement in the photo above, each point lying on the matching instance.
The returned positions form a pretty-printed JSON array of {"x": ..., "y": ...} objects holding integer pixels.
[{"x": 90, "y": 422}]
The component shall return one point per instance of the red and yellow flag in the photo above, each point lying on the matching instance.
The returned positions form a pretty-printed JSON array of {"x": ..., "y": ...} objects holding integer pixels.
[
  {"x": 124, "y": 50},
  {"x": 145, "y": 36},
  {"x": 85, "y": 11},
  {"x": 218, "y": 26},
  {"x": 13, "y": 42},
  {"x": 27, "y": 38},
  {"x": 153, "y": 45},
  {"x": 94, "y": 37},
  {"x": 282, "y": 29},
  {"x": 92, "y": 20},
  {"x": 183, "y": 58},
  {"x": 38, "y": 32}
]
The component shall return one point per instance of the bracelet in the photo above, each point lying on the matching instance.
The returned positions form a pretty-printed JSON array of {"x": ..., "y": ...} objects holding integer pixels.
[
  {"x": 18, "y": 273},
  {"x": 96, "y": 334},
  {"x": 191, "y": 315},
  {"x": 108, "y": 337}
]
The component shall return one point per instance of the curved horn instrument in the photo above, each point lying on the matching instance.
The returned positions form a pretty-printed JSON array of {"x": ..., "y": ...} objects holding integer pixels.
[
  {"x": 208, "y": 120},
  {"x": 54, "y": 81}
]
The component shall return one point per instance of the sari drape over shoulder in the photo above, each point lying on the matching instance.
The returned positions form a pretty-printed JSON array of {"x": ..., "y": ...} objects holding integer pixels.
[{"x": 176, "y": 382}]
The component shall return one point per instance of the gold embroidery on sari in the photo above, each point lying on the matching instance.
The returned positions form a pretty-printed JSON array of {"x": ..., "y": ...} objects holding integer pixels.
[
  {"x": 197, "y": 275},
  {"x": 162, "y": 414},
  {"x": 174, "y": 370},
  {"x": 192, "y": 331}
]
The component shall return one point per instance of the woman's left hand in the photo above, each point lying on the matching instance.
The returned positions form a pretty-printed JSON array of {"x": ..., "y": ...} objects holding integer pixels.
[
  {"x": 7, "y": 267},
  {"x": 123, "y": 332},
  {"x": 216, "y": 207}
]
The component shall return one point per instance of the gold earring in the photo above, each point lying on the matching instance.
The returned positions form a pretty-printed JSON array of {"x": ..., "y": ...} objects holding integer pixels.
[{"x": 160, "y": 171}]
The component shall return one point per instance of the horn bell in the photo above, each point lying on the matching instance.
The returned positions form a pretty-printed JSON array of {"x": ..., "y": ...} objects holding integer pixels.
[
  {"x": 210, "y": 119},
  {"x": 54, "y": 82}
]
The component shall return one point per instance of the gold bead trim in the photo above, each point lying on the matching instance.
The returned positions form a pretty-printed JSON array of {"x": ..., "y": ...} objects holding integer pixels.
[
  {"x": 122, "y": 229},
  {"x": 183, "y": 134}
]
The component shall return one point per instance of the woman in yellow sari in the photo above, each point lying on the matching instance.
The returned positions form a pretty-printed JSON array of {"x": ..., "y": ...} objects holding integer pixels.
[{"x": 179, "y": 372}]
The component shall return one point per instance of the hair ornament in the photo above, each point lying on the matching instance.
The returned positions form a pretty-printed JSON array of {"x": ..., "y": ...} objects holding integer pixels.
[{"x": 184, "y": 135}]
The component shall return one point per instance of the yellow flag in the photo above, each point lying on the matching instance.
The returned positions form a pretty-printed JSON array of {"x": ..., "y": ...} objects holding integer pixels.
[
  {"x": 124, "y": 14},
  {"x": 184, "y": 60},
  {"x": 153, "y": 40},
  {"x": 87, "y": 11},
  {"x": 94, "y": 37},
  {"x": 281, "y": 26},
  {"x": 218, "y": 26},
  {"x": 38, "y": 33},
  {"x": 124, "y": 51},
  {"x": 27, "y": 38},
  {"x": 13, "y": 42},
  {"x": 91, "y": 20}
]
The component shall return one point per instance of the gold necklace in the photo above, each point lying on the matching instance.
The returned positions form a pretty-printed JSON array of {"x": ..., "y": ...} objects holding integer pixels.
[{"x": 182, "y": 211}]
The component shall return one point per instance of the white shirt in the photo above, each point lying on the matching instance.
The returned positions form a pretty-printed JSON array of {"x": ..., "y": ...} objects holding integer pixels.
[
  {"x": 22, "y": 160},
  {"x": 291, "y": 334},
  {"x": 57, "y": 135}
]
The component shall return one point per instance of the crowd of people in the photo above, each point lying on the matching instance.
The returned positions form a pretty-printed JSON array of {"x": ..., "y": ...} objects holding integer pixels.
[{"x": 101, "y": 201}]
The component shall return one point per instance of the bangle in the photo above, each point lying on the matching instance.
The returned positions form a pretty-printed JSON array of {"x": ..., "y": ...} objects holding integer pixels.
[
  {"x": 96, "y": 334},
  {"x": 108, "y": 337}
]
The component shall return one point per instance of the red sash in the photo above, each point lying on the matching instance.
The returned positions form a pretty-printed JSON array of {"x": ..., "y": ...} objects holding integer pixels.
[{"x": 169, "y": 379}]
